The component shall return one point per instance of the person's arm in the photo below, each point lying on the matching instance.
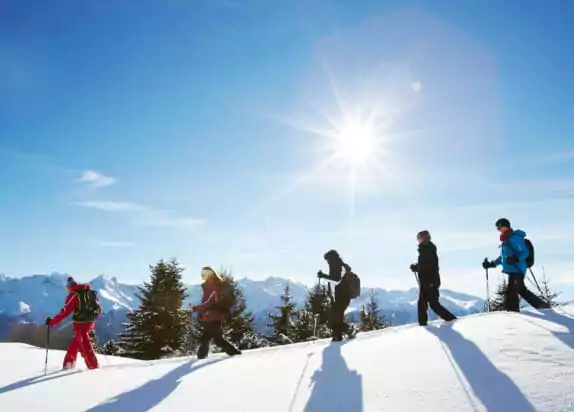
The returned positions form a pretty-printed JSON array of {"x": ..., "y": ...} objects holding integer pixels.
[
  {"x": 518, "y": 248},
  {"x": 67, "y": 310},
  {"x": 207, "y": 301}
]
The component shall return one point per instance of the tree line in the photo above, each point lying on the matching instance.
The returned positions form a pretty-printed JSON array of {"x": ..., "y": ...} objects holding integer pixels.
[{"x": 161, "y": 327}]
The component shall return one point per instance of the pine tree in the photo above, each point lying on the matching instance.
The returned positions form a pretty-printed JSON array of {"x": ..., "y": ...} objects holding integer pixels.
[
  {"x": 370, "y": 319},
  {"x": 192, "y": 334},
  {"x": 282, "y": 323},
  {"x": 313, "y": 319},
  {"x": 111, "y": 348},
  {"x": 157, "y": 328},
  {"x": 500, "y": 301},
  {"x": 543, "y": 289},
  {"x": 239, "y": 327},
  {"x": 95, "y": 341}
]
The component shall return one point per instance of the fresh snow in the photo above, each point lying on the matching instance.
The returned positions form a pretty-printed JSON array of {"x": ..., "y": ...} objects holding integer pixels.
[{"x": 488, "y": 362}]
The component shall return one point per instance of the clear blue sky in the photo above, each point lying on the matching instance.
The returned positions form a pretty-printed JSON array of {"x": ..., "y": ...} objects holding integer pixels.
[{"x": 133, "y": 131}]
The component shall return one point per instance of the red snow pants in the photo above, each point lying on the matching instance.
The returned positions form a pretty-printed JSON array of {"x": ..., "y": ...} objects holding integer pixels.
[{"x": 81, "y": 343}]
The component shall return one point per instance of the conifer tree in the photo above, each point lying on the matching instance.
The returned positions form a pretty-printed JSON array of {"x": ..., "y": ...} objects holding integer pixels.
[
  {"x": 370, "y": 319},
  {"x": 238, "y": 328},
  {"x": 282, "y": 322},
  {"x": 110, "y": 347},
  {"x": 313, "y": 319},
  {"x": 95, "y": 341},
  {"x": 500, "y": 301},
  {"x": 543, "y": 289},
  {"x": 157, "y": 328}
]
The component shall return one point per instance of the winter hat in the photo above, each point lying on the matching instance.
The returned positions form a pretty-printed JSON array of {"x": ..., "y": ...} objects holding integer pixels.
[
  {"x": 70, "y": 282},
  {"x": 502, "y": 222},
  {"x": 425, "y": 234}
]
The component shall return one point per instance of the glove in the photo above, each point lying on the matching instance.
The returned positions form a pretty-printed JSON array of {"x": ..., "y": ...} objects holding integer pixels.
[
  {"x": 48, "y": 321},
  {"x": 414, "y": 268},
  {"x": 486, "y": 264},
  {"x": 511, "y": 260},
  {"x": 320, "y": 274}
]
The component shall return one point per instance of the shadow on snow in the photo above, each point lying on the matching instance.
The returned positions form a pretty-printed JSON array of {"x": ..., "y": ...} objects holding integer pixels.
[
  {"x": 335, "y": 386},
  {"x": 495, "y": 390},
  {"x": 149, "y": 395}
]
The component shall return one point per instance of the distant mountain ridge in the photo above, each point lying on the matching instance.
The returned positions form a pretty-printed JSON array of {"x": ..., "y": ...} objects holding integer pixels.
[{"x": 33, "y": 298}]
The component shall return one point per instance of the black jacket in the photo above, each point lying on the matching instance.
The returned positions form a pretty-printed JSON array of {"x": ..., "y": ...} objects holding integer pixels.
[
  {"x": 336, "y": 275},
  {"x": 427, "y": 266}
]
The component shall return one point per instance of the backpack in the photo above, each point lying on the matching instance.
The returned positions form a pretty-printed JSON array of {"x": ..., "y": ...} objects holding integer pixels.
[
  {"x": 530, "y": 258},
  {"x": 228, "y": 299},
  {"x": 530, "y": 247},
  {"x": 353, "y": 284},
  {"x": 88, "y": 307}
]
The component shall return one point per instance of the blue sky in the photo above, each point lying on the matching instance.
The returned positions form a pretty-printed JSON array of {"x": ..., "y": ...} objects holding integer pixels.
[{"x": 133, "y": 131}]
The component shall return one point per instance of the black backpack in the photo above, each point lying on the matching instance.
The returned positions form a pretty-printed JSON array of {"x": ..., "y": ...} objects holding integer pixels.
[{"x": 353, "y": 284}]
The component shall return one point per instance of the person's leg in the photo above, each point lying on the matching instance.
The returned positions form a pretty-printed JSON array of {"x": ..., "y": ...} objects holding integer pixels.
[
  {"x": 204, "y": 340},
  {"x": 433, "y": 297},
  {"x": 532, "y": 299},
  {"x": 422, "y": 308},
  {"x": 512, "y": 299},
  {"x": 223, "y": 343},
  {"x": 85, "y": 344},
  {"x": 72, "y": 352},
  {"x": 337, "y": 319}
]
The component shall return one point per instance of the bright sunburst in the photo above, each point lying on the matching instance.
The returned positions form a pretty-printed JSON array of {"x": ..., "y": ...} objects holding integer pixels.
[{"x": 355, "y": 143}]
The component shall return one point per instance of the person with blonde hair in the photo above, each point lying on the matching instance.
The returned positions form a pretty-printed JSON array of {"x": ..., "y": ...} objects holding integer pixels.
[{"x": 212, "y": 312}]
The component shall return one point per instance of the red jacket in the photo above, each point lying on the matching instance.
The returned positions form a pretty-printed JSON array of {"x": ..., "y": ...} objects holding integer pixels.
[
  {"x": 209, "y": 300},
  {"x": 71, "y": 304}
]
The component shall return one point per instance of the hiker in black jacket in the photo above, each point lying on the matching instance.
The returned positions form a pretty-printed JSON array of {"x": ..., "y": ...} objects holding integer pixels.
[
  {"x": 342, "y": 294},
  {"x": 429, "y": 280}
]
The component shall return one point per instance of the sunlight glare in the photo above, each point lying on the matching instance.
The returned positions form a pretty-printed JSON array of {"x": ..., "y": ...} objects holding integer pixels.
[{"x": 355, "y": 143}]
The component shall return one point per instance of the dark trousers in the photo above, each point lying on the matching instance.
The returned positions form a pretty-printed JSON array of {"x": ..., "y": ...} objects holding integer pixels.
[
  {"x": 517, "y": 288},
  {"x": 338, "y": 308},
  {"x": 212, "y": 330},
  {"x": 429, "y": 296}
]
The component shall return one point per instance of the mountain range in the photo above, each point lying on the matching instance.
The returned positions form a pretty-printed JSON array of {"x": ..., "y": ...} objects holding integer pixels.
[{"x": 33, "y": 298}]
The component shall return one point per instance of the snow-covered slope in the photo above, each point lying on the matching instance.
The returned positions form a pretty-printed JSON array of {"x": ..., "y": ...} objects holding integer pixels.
[{"x": 498, "y": 362}]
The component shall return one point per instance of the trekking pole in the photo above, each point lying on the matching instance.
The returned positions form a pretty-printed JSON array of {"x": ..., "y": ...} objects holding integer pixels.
[
  {"x": 487, "y": 292},
  {"x": 47, "y": 348}
]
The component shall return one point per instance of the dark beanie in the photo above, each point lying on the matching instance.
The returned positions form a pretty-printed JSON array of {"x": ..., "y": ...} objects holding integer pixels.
[
  {"x": 424, "y": 233},
  {"x": 502, "y": 222},
  {"x": 70, "y": 282}
]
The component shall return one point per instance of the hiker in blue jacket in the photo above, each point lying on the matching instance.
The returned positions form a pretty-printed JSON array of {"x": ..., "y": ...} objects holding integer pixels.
[{"x": 513, "y": 255}]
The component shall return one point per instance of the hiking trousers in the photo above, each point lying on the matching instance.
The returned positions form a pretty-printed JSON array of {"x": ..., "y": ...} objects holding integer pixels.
[
  {"x": 81, "y": 343},
  {"x": 338, "y": 324},
  {"x": 517, "y": 288},
  {"x": 429, "y": 296},
  {"x": 212, "y": 331}
]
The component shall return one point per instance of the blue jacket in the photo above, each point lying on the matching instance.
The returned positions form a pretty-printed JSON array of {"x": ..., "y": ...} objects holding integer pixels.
[{"x": 514, "y": 245}]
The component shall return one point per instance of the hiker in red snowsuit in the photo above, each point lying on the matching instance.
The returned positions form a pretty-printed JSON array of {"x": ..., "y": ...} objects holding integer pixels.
[
  {"x": 83, "y": 303},
  {"x": 212, "y": 315}
]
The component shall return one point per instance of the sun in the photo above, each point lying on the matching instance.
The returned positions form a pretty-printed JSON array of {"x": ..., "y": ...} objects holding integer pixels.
[{"x": 355, "y": 143}]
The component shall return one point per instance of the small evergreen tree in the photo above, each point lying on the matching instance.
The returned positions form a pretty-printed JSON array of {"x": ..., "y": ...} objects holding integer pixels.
[
  {"x": 157, "y": 328},
  {"x": 95, "y": 341},
  {"x": 500, "y": 301},
  {"x": 238, "y": 328},
  {"x": 282, "y": 322},
  {"x": 370, "y": 319},
  {"x": 312, "y": 320},
  {"x": 543, "y": 289},
  {"x": 110, "y": 347}
]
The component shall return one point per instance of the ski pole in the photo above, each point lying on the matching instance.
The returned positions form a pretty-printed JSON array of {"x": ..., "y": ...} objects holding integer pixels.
[
  {"x": 47, "y": 348},
  {"x": 487, "y": 292}
]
